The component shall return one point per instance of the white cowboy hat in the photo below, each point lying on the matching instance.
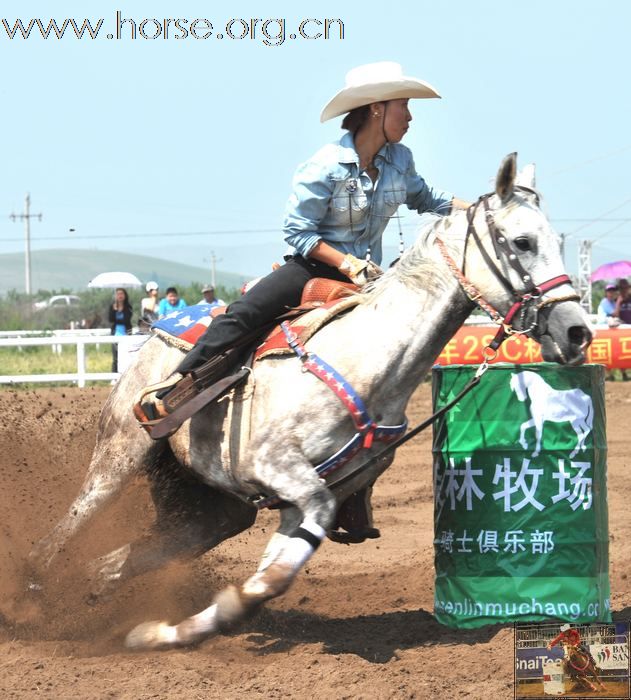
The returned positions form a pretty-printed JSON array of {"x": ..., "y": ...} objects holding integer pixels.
[
  {"x": 375, "y": 82},
  {"x": 564, "y": 628}
]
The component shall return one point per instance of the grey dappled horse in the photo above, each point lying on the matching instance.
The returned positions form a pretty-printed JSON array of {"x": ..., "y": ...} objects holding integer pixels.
[{"x": 383, "y": 347}]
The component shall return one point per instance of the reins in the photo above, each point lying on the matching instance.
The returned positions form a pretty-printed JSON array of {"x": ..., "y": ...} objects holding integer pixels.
[
  {"x": 473, "y": 382},
  {"x": 522, "y": 303},
  {"x": 530, "y": 297}
]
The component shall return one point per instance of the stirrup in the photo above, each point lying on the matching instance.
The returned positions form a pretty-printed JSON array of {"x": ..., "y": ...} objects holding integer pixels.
[{"x": 147, "y": 412}]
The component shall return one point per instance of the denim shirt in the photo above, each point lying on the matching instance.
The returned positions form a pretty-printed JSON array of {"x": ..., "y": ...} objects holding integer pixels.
[{"x": 334, "y": 202}]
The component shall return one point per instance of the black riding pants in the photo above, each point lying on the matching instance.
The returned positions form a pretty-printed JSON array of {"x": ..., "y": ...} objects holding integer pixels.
[{"x": 269, "y": 298}]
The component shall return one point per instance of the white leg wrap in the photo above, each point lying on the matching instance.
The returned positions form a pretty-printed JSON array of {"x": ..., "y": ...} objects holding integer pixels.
[
  {"x": 274, "y": 546},
  {"x": 297, "y": 551},
  {"x": 290, "y": 552}
]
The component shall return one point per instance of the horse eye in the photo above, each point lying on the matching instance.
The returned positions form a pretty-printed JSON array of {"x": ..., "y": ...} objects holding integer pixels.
[{"x": 523, "y": 244}]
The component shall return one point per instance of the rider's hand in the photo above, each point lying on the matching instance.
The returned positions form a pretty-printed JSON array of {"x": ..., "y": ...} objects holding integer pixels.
[{"x": 359, "y": 271}]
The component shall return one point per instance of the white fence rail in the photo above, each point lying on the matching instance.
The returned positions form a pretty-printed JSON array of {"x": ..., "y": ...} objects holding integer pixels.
[
  {"x": 127, "y": 344},
  {"x": 80, "y": 338}
]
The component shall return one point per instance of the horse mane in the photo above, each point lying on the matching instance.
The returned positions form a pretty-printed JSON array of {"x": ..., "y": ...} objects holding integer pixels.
[{"x": 416, "y": 268}]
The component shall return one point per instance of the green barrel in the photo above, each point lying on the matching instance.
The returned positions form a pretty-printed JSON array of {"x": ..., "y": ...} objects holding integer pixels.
[{"x": 520, "y": 495}]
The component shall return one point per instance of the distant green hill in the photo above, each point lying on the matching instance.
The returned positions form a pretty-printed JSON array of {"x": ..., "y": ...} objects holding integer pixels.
[{"x": 73, "y": 269}]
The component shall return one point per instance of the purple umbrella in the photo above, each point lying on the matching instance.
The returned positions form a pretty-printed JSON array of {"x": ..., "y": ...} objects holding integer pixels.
[{"x": 612, "y": 271}]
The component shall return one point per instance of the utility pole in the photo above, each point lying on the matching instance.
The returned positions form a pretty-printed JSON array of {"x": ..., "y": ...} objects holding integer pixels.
[
  {"x": 585, "y": 274},
  {"x": 27, "y": 216},
  {"x": 213, "y": 270}
]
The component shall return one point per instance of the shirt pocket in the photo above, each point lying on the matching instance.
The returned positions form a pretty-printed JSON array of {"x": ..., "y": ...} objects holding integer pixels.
[
  {"x": 348, "y": 194},
  {"x": 393, "y": 198},
  {"x": 394, "y": 191}
]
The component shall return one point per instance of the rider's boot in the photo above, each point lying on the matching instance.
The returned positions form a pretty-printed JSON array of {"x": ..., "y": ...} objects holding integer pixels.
[
  {"x": 149, "y": 404},
  {"x": 354, "y": 523}
]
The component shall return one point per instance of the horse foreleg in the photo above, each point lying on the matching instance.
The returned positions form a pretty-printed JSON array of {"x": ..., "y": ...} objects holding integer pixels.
[
  {"x": 594, "y": 673},
  {"x": 522, "y": 433},
  {"x": 284, "y": 556}
]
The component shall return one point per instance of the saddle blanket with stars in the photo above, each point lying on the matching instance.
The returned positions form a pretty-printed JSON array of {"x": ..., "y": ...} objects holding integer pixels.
[{"x": 182, "y": 328}]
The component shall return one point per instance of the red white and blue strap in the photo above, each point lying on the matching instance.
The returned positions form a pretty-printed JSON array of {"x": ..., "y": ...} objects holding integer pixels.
[
  {"x": 367, "y": 429},
  {"x": 338, "y": 385},
  {"x": 383, "y": 433}
]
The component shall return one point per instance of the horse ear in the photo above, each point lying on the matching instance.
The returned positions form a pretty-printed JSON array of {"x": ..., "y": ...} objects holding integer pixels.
[
  {"x": 505, "y": 181},
  {"x": 526, "y": 177}
]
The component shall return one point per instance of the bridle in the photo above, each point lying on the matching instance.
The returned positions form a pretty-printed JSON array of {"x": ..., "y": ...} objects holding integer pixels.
[
  {"x": 526, "y": 302},
  {"x": 523, "y": 302}
]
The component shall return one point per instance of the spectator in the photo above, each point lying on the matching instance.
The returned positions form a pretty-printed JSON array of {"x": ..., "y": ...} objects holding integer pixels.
[
  {"x": 608, "y": 304},
  {"x": 149, "y": 305},
  {"x": 209, "y": 297},
  {"x": 120, "y": 313},
  {"x": 170, "y": 303},
  {"x": 623, "y": 303}
]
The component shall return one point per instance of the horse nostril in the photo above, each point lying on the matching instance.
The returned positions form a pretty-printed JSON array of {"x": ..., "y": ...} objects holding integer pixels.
[{"x": 579, "y": 335}]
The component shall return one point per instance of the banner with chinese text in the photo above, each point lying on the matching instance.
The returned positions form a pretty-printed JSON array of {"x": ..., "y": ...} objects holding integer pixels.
[
  {"x": 611, "y": 347},
  {"x": 520, "y": 503}
]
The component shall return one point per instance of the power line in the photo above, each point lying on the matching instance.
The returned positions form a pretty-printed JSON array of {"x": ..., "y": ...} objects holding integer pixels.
[
  {"x": 603, "y": 156},
  {"x": 608, "y": 231},
  {"x": 150, "y": 235},
  {"x": 278, "y": 230},
  {"x": 600, "y": 218}
]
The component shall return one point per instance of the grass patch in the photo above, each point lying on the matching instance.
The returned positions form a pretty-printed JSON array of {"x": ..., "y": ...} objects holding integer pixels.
[{"x": 42, "y": 360}]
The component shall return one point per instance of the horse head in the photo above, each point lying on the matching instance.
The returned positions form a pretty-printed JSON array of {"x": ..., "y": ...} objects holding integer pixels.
[{"x": 515, "y": 261}]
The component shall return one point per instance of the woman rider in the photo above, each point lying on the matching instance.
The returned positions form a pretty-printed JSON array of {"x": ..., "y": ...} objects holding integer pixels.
[
  {"x": 571, "y": 635},
  {"x": 342, "y": 200}
]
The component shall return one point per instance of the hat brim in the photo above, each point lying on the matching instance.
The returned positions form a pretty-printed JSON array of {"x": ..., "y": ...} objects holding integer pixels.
[{"x": 352, "y": 97}]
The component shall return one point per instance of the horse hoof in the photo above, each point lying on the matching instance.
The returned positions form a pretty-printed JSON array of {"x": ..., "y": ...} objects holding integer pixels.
[{"x": 151, "y": 635}]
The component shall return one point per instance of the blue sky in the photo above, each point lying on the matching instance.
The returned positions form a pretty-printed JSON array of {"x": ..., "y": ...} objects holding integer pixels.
[{"x": 154, "y": 146}]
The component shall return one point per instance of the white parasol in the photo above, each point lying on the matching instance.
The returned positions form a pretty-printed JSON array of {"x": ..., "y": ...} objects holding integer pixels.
[{"x": 111, "y": 280}]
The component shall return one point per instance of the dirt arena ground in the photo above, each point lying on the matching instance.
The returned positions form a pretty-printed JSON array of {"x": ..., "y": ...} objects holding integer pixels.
[
  {"x": 612, "y": 690},
  {"x": 357, "y": 623}
]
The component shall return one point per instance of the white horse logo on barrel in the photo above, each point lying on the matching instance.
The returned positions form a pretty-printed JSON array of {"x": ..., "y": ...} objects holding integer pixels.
[{"x": 572, "y": 406}]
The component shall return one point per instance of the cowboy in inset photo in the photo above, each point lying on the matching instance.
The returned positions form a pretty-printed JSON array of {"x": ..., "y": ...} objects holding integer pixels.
[
  {"x": 579, "y": 663},
  {"x": 570, "y": 635}
]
